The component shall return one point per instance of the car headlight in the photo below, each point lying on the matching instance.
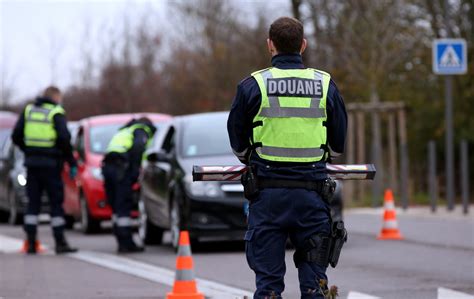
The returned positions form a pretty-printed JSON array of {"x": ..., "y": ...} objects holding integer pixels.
[
  {"x": 21, "y": 179},
  {"x": 96, "y": 173},
  {"x": 209, "y": 189}
]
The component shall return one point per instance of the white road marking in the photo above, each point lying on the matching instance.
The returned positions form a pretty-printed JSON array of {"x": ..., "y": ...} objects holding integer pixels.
[
  {"x": 126, "y": 265},
  {"x": 10, "y": 245},
  {"x": 357, "y": 295},
  {"x": 157, "y": 274},
  {"x": 444, "y": 293},
  {"x": 14, "y": 245}
]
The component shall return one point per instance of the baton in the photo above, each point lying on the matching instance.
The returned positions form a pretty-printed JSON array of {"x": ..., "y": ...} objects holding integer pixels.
[{"x": 234, "y": 172}]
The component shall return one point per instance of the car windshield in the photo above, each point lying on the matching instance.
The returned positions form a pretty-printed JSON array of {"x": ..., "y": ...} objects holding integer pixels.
[
  {"x": 205, "y": 135},
  {"x": 100, "y": 136}
]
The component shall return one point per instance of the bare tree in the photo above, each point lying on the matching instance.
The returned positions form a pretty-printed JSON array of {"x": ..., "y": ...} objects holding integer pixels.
[
  {"x": 86, "y": 49},
  {"x": 55, "y": 47},
  {"x": 7, "y": 83}
]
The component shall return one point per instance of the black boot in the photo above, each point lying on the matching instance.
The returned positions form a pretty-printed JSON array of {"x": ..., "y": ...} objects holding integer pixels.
[
  {"x": 62, "y": 246},
  {"x": 130, "y": 248},
  {"x": 125, "y": 241}
]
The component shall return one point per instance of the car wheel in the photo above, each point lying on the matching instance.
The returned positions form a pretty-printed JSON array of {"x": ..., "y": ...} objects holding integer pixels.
[
  {"x": 88, "y": 224},
  {"x": 3, "y": 216},
  {"x": 15, "y": 218},
  {"x": 149, "y": 233},
  {"x": 175, "y": 223}
]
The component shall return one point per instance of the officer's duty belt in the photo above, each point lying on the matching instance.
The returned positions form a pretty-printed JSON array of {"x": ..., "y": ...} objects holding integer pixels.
[{"x": 291, "y": 184}]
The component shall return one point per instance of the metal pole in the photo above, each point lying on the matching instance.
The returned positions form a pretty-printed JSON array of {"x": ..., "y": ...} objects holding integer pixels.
[
  {"x": 432, "y": 184},
  {"x": 361, "y": 187},
  {"x": 448, "y": 97},
  {"x": 349, "y": 188},
  {"x": 449, "y": 142},
  {"x": 392, "y": 152},
  {"x": 465, "y": 176},
  {"x": 380, "y": 178},
  {"x": 404, "y": 173}
]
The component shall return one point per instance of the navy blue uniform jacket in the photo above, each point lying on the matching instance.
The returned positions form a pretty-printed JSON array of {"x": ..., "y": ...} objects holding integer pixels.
[
  {"x": 46, "y": 157},
  {"x": 134, "y": 155},
  {"x": 245, "y": 107}
]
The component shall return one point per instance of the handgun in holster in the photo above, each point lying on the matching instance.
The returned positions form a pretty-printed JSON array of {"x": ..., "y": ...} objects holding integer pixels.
[{"x": 338, "y": 238}]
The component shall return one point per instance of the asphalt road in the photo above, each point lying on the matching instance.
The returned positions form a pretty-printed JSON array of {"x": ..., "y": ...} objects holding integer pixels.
[{"x": 438, "y": 252}]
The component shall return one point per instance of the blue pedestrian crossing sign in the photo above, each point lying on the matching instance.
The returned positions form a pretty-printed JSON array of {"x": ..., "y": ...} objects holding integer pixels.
[{"x": 449, "y": 56}]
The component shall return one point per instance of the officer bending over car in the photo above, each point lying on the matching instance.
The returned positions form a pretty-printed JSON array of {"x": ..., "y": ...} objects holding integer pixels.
[
  {"x": 286, "y": 122},
  {"x": 41, "y": 133},
  {"x": 121, "y": 166}
]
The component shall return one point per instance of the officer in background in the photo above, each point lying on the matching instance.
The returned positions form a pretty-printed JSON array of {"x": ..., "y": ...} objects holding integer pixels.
[
  {"x": 286, "y": 121},
  {"x": 41, "y": 133},
  {"x": 120, "y": 169}
]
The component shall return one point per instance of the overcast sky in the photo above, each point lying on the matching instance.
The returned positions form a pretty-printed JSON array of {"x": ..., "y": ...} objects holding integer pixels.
[
  {"x": 40, "y": 40},
  {"x": 34, "y": 33}
]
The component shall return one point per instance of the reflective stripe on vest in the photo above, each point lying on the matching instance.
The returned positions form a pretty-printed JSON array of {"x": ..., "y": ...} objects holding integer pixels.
[
  {"x": 39, "y": 130},
  {"x": 122, "y": 142},
  {"x": 289, "y": 126}
]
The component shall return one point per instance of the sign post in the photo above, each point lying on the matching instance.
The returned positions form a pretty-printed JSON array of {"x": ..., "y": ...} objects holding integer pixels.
[{"x": 449, "y": 58}]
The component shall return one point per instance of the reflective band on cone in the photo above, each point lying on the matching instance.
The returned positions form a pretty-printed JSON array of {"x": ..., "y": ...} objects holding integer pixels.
[
  {"x": 184, "y": 285},
  {"x": 390, "y": 226}
]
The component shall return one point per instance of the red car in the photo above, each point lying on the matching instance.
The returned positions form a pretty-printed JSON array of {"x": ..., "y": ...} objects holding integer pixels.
[{"x": 84, "y": 197}]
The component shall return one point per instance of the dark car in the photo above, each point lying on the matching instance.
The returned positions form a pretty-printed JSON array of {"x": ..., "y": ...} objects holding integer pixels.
[
  {"x": 13, "y": 181},
  {"x": 7, "y": 122},
  {"x": 171, "y": 200},
  {"x": 13, "y": 178}
]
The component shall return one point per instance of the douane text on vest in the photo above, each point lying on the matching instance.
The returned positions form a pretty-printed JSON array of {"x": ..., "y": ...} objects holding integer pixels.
[{"x": 294, "y": 87}]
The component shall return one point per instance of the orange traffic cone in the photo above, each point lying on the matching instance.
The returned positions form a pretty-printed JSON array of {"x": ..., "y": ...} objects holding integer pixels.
[
  {"x": 390, "y": 226},
  {"x": 184, "y": 285},
  {"x": 38, "y": 246}
]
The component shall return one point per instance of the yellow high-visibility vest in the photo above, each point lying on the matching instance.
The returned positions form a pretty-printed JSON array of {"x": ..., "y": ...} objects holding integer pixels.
[{"x": 290, "y": 124}]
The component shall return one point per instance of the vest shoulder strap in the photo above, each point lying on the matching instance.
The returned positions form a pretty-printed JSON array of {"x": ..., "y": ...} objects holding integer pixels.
[
  {"x": 321, "y": 72},
  {"x": 28, "y": 109},
  {"x": 58, "y": 110},
  {"x": 261, "y": 71}
]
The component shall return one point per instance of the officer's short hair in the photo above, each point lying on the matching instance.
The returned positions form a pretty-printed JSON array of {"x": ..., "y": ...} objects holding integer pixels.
[
  {"x": 145, "y": 120},
  {"x": 286, "y": 34},
  {"x": 51, "y": 91}
]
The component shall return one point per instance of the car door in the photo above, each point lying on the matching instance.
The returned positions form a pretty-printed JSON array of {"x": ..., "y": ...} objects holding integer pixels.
[
  {"x": 156, "y": 178},
  {"x": 6, "y": 164}
]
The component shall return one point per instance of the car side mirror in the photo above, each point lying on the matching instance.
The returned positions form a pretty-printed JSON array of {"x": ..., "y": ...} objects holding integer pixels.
[{"x": 159, "y": 157}]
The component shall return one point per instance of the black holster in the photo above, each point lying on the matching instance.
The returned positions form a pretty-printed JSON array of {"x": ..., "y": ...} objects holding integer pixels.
[
  {"x": 328, "y": 189},
  {"x": 323, "y": 250},
  {"x": 338, "y": 238}
]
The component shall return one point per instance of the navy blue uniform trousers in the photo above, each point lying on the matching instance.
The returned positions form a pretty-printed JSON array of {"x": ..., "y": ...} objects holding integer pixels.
[
  {"x": 275, "y": 215},
  {"x": 118, "y": 189},
  {"x": 44, "y": 179}
]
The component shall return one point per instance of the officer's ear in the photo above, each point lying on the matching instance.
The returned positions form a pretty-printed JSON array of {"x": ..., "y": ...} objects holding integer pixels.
[
  {"x": 303, "y": 45},
  {"x": 271, "y": 47}
]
